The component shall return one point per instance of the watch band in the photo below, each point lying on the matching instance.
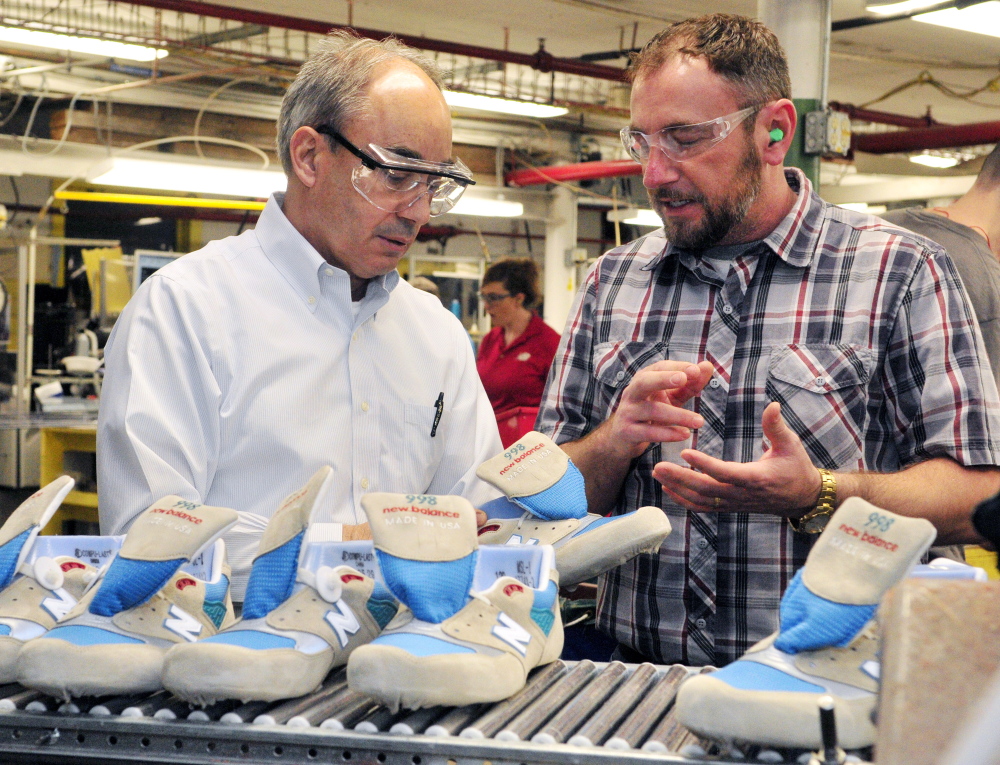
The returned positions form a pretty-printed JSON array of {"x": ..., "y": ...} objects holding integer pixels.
[{"x": 814, "y": 521}]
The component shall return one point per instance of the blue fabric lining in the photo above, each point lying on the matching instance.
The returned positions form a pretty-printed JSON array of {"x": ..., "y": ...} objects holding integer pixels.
[
  {"x": 420, "y": 645},
  {"x": 502, "y": 507},
  {"x": 809, "y": 622},
  {"x": 130, "y": 583},
  {"x": 545, "y": 598},
  {"x": 4, "y": 629},
  {"x": 567, "y": 498},
  {"x": 255, "y": 639},
  {"x": 79, "y": 634},
  {"x": 544, "y": 618},
  {"x": 215, "y": 600},
  {"x": 433, "y": 590},
  {"x": 272, "y": 578},
  {"x": 9, "y": 553},
  {"x": 754, "y": 676},
  {"x": 381, "y": 605}
]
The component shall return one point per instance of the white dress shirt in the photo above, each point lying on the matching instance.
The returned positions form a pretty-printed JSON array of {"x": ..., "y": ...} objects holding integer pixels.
[{"x": 237, "y": 371}]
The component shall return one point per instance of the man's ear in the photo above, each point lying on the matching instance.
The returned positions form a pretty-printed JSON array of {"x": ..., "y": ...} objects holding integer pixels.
[
  {"x": 780, "y": 118},
  {"x": 304, "y": 149}
]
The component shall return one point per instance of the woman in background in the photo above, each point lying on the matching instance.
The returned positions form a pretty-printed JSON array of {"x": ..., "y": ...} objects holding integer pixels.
[{"x": 515, "y": 355}]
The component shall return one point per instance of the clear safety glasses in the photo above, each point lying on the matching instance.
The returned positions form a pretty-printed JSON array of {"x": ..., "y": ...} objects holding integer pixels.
[
  {"x": 683, "y": 142},
  {"x": 393, "y": 182}
]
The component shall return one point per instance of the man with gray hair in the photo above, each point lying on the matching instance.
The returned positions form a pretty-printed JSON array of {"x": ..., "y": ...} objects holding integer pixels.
[{"x": 239, "y": 370}]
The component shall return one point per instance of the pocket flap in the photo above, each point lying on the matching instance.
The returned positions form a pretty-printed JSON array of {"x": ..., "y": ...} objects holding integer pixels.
[
  {"x": 821, "y": 368},
  {"x": 617, "y": 363}
]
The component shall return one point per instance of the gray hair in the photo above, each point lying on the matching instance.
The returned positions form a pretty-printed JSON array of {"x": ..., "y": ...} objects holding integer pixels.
[{"x": 330, "y": 88}]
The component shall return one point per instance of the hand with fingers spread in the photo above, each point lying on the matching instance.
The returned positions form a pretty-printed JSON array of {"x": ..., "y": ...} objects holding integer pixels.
[
  {"x": 782, "y": 482},
  {"x": 651, "y": 407}
]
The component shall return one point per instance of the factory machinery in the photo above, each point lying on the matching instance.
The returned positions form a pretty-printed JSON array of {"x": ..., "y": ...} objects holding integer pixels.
[{"x": 569, "y": 712}]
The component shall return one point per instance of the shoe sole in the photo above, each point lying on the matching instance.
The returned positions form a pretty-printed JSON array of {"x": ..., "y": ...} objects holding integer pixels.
[
  {"x": 203, "y": 673},
  {"x": 400, "y": 679},
  {"x": 715, "y": 709},
  {"x": 63, "y": 669},
  {"x": 595, "y": 552}
]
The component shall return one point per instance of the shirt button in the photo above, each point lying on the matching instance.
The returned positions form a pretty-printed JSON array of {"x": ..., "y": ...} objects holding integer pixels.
[
  {"x": 727, "y": 309},
  {"x": 354, "y": 336},
  {"x": 312, "y": 300},
  {"x": 821, "y": 381},
  {"x": 700, "y": 624},
  {"x": 702, "y": 543},
  {"x": 620, "y": 376},
  {"x": 364, "y": 406},
  {"x": 328, "y": 272},
  {"x": 364, "y": 483},
  {"x": 714, "y": 382}
]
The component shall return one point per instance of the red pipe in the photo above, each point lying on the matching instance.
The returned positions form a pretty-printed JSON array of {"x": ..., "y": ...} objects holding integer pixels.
[
  {"x": 927, "y": 138},
  {"x": 582, "y": 171},
  {"x": 541, "y": 60},
  {"x": 883, "y": 118}
]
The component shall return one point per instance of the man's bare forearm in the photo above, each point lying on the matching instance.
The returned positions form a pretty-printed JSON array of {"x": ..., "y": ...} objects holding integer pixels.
[
  {"x": 604, "y": 468},
  {"x": 940, "y": 490}
]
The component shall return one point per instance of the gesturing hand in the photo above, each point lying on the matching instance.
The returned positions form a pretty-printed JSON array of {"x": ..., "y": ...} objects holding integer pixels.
[{"x": 782, "y": 482}]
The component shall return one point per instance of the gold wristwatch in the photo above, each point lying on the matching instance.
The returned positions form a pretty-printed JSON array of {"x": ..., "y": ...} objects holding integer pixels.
[{"x": 814, "y": 521}]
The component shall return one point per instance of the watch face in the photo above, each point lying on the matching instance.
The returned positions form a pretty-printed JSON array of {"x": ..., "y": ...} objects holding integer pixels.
[{"x": 815, "y": 525}]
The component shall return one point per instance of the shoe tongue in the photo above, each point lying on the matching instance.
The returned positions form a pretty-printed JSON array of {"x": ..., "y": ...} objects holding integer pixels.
[
  {"x": 426, "y": 548},
  {"x": 175, "y": 529},
  {"x": 19, "y": 531},
  {"x": 538, "y": 476},
  {"x": 272, "y": 577},
  {"x": 295, "y": 511},
  {"x": 864, "y": 551},
  {"x": 171, "y": 532},
  {"x": 421, "y": 527}
]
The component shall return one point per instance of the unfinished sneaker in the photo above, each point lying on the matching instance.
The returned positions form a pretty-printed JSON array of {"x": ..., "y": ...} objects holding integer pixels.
[
  {"x": 42, "y": 577},
  {"x": 546, "y": 504},
  {"x": 305, "y": 611},
  {"x": 168, "y": 584},
  {"x": 478, "y": 619},
  {"x": 825, "y": 645}
]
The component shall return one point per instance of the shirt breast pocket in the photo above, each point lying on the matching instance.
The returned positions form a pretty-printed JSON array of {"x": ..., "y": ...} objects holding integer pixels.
[
  {"x": 422, "y": 453},
  {"x": 615, "y": 364},
  {"x": 823, "y": 392}
]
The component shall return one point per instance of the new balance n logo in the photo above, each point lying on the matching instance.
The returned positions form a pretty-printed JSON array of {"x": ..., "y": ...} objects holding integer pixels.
[
  {"x": 512, "y": 633},
  {"x": 343, "y": 622},
  {"x": 182, "y": 623},
  {"x": 60, "y": 605}
]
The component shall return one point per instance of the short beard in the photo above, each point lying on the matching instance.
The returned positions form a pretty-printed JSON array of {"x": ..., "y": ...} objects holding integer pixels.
[{"x": 720, "y": 219}]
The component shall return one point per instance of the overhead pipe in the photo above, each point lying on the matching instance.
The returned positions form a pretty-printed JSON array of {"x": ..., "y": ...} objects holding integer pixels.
[
  {"x": 540, "y": 60},
  {"x": 942, "y": 137},
  {"x": 581, "y": 171},
  {"x": 883, "y": 118}
]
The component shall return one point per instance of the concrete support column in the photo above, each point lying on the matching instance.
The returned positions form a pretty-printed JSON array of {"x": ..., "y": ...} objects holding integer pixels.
[
  {"x": 803, "y": 28},
  {"x": 559, "y": 285}
]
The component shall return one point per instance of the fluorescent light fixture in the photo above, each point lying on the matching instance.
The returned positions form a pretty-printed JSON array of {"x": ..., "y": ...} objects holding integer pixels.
[
  {"x": 489, "y": 208},
  {"x": 635, "y": 217},
  {"x": 89, "y": 45},
  {"x": 502, "y": 105},
  {"x": 864, "y": 207},
  {"x": 983, "y": 19},
  {"x": 906, "y": 6},
  {"x": 187, "y": 176},
  {"x": 934, "y": 160}
]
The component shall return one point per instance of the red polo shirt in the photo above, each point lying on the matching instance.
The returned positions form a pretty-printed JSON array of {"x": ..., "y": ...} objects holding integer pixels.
[{"x": 514, "y": 375}]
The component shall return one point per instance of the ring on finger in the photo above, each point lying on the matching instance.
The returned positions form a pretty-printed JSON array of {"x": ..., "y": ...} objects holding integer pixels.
[{"x": 717, "y": 502}]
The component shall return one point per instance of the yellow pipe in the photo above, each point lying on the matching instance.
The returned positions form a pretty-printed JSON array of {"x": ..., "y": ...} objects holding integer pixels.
[{"x": 152, "y": 199}]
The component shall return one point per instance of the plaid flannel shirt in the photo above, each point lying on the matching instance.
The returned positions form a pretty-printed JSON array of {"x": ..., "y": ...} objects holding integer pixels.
[{"x": 860, "y": 329}]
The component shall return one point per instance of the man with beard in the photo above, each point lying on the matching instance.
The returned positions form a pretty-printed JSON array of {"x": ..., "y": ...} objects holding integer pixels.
[
  {"x": 811, "y": 353},
  {"x": 239, "y": 370}
]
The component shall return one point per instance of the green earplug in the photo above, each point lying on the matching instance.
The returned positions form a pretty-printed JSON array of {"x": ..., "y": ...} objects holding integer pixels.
[{"x": 777, "y": 134}]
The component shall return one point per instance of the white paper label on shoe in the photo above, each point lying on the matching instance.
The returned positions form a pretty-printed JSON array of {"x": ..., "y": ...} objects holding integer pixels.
[
  {"x": 343, "y": 622},
  {"x": 528, "y": 466},
  {"x": 60, "y": 605},
  {"x": 181, "y": 623},
  {"x": 421, "y": 527},
  {"x": 512, "y": 633}
]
